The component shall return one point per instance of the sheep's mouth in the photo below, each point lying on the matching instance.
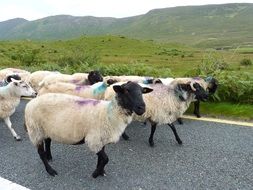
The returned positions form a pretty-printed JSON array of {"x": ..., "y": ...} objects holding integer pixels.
[{"x": 139, "y": 110}]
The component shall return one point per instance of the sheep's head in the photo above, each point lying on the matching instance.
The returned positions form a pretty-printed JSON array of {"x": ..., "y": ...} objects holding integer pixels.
[
  {"x": 129, "y": 96},
  {"x": 21, "y": 88},
  {"x": 200, "y": 93},
  {"x": 212, "y": 84},
  {"x": 195, "y": 88},
  {"x": 94, "y": 77}
]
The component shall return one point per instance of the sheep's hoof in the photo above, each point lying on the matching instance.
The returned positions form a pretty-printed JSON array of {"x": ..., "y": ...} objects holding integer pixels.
[
  {"x": 97, "y": 173},
  {"x": 125, "y": 136},
  {"x": 151, "y": 143},
  {"x": 17, "y": 138},
  {"x": 179, "y": 142},
  {"x": 197, "y": 115},
  {"x": 52, "y": 172},
  {"x": 180, "y": 121}
]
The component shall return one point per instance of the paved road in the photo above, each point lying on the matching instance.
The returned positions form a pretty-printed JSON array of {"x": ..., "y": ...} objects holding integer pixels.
[{"x": 213, "y": 156}]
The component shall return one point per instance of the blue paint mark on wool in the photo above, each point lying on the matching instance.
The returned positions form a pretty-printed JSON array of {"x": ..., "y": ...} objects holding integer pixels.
[{"x": 100, "y": 89}]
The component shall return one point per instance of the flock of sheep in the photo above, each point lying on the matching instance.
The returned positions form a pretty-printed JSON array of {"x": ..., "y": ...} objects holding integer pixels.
[{"x": 95, "y": 110}]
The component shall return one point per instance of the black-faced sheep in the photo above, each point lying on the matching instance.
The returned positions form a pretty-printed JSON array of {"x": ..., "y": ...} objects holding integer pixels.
[{"x": 73, "y": 120}]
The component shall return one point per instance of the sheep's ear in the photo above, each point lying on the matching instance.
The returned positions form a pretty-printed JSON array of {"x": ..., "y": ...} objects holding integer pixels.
[
  {"x": 14, "y": 80},
  {"x": 118, "y": 89},
  {"x": 146, "y": 90}
]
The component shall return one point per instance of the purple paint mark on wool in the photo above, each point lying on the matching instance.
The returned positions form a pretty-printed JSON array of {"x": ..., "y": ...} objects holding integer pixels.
[
  {"x": 196, "y": 78},
  {"x": 75, "y": 81},
  {"x": 87, "y": 101},
  {"x": 79, "y": 88}
]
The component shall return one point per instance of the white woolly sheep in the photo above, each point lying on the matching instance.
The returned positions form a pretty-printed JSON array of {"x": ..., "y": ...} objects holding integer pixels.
[
  {"x": 36, "y": 77},
  {"x": 95, "y": 91},
  {"x": 167, "y": 103},
  {"x": 78, "y": 78},
  {"x": 10, "y": 98},
  {"x": 73, "y": 120}
]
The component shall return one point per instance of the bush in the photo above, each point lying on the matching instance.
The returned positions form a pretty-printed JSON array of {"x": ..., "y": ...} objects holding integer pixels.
[{"x": 246, "y": 62}]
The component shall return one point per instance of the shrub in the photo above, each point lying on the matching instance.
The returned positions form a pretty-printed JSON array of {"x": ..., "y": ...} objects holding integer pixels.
[{"x": 246, "y": 62}]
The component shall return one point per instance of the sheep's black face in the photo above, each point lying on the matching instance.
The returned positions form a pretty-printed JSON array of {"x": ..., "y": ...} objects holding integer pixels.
[
  {"x": 129, "y": 96},
  {"x": 200, "y": 93},
  {"x": 94, "y": 77},
  {"x": 212, "y": 85}
]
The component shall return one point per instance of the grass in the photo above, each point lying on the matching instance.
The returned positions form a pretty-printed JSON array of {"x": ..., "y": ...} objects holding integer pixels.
[{"x": 225, "y": 110}]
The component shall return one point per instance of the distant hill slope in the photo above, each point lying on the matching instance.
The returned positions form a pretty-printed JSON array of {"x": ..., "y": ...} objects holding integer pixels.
[{"x": 207, "y": 26}]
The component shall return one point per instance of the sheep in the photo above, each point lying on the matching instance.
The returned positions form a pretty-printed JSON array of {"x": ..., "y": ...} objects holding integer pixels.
[
  {"x": 8, "y": 71},
  {"x": 36, "y": 77},
  {"x": 78, "y": 78},
  {"x": 209, "y": 84},
  {"x": 10, "y": 98},
  {"x": 71, "y": 119},
  {"x": 167, "y": 103},
  {"x": 95, "y": 91}
]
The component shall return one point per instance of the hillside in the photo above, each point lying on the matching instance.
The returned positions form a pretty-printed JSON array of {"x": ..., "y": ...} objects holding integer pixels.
[{"x": 203, "y": 26}]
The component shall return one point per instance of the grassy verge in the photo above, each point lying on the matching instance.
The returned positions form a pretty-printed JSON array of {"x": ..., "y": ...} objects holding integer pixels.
[{"x": 243, "y": 112}]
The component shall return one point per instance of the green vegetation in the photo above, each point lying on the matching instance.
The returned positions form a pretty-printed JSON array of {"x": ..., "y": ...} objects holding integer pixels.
[
  {"x": 118, "y": 55},
  {"x": 225, "y": 110}
]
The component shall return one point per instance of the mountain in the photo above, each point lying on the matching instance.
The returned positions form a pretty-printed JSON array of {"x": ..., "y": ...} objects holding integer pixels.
[
  {"x": 7, "y": 26},
  {"x": 207, "y": 25}
]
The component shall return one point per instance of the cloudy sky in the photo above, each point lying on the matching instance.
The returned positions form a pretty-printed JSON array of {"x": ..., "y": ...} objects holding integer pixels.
[{"x": 35, "y": 9}]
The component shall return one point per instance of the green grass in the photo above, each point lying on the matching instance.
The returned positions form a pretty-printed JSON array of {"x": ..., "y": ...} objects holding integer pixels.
[{"x": 225, "y": 110}]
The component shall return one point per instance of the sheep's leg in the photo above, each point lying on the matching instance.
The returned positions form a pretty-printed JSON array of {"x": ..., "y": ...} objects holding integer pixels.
[
  {"x": 151, "y": 137},
  {"x": 172, "y": 126},
  {"x": 9, "y": 125},
  {"x": 48, "y": 148},
  {"x": 180, "y": 121},
  {"x": 196, "y": 108},
  {"x": 102, "y": 161},
  {"x": 43, "y": 157},
  {"x": 125, "y": 136}
]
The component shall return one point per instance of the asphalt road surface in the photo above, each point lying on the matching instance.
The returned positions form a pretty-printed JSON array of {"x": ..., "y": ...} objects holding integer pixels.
[{"x": 213, "y": 156}]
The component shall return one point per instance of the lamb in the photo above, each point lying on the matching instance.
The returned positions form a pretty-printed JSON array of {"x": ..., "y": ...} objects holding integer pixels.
[
  {"x": 73, "y": 120},
  {"x": 36, "y": 77},
  {"x": 95, "y": 91},
  {"x": 10, "y": 98},
  {"x": 78, "y": 78}
]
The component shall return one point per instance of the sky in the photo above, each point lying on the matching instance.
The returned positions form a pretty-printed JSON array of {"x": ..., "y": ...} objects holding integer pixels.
[{"x": 35, "y": 9}]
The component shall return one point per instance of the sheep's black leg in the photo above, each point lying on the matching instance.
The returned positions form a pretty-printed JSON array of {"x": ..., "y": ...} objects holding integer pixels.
[
  {"x": 125, "y": 136},
  {"x": 175, "y": 133},
  {"x": 48, "y": 149},
  {"x": 102, "y": 161},
  {"x": 151, "y": 139},
  {"x": 180, "y": 121},
  {"x": 196, "y": 108},
  {"x": 43, "y": 157}
]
